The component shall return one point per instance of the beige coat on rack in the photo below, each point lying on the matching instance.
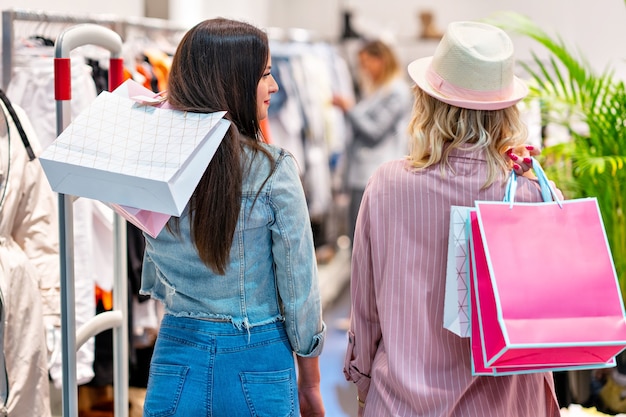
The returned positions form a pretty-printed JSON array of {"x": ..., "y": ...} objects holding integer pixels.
[{"x": 29, "y": 269}]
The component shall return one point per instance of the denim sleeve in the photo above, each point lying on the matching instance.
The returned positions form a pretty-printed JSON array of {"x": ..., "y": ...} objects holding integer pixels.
[
  {"x": 294, "y": 258},
  {"x": 148, "y": 275}
]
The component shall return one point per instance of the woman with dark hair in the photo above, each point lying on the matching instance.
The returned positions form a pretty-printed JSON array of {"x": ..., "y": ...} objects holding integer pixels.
[{"x": 236, "y": 272}]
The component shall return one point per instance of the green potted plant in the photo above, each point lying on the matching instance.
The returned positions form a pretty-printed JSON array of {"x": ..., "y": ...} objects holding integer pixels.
[{"x": 592, "y": 108}]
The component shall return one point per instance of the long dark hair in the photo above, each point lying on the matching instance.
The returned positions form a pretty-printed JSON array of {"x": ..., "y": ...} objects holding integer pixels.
[{"x": 217, "y": 66}]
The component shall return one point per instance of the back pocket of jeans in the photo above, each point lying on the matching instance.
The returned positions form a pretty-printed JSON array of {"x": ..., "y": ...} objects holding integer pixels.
[
  {"x": 270, "y": 394},
  {"x": 165, "y": 386}
]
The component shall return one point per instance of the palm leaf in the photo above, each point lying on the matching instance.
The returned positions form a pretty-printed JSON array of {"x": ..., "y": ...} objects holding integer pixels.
[
  {"x": 593, "y": 162},
  {"x": 580, "y": 86}
]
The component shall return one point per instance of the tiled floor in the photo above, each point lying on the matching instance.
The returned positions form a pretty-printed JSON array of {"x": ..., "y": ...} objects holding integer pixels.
[
  {"x": 135, "y": 397},
  {"x": 339, "y": 395}
]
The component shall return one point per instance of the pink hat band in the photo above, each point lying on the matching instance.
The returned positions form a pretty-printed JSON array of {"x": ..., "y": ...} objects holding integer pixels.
[
  {"x": 472, "y": 68},
  {"x": 460, "y": 93}
]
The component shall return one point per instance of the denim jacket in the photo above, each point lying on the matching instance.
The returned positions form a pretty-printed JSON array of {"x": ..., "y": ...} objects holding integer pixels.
[{"x": 272, "y": 274}]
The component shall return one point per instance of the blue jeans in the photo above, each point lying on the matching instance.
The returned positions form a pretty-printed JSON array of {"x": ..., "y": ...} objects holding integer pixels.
[{"x": 207, "y": 368}]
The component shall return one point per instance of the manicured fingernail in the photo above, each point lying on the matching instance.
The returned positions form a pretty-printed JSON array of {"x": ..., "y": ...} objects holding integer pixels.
[
  {"x": 513, "y": 157},
  {"x": 508, "y": 152},
  {"x": 516, "y": 167},
  {"x": 528, "y": 161},
  {"x": 530, "y": 147}
]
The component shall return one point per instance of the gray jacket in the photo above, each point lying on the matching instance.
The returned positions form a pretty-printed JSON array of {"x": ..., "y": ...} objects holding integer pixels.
[{"x": 378, "y": 123}]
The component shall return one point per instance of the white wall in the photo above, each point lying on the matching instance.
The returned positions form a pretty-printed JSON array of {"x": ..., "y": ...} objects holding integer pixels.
[
  {"x": 596, "y": 28},
  {"x": 116, "y": 7},
  {"x": 190, "y": 12}
]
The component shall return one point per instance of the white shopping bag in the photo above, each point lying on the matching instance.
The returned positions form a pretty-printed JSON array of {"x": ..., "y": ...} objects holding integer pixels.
[
  {"x": 456, "y": 315},
  {"x": 141, "y": 156}
]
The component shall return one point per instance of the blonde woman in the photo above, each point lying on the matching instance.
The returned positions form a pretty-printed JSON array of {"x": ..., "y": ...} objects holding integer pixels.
[
  {"x": 464, "y": 124},
  {"x": 377, "y": 121}
]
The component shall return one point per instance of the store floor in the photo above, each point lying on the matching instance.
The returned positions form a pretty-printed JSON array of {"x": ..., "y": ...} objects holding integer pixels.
[{"x": 338, "y": 394}]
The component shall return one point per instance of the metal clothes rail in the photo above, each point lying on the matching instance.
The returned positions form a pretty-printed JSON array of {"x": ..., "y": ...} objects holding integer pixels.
[
  {"x": 116, "y": 319},
  {"x": 122, "y": 26}
]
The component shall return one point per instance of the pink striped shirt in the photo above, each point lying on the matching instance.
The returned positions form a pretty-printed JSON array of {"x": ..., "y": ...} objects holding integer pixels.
[{"x": 399, "y": 352}]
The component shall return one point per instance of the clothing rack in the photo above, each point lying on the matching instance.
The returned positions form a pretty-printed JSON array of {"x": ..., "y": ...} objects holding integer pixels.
[
  {"x": 75, "y": 30},
  {"x": 122, "y": 26}
]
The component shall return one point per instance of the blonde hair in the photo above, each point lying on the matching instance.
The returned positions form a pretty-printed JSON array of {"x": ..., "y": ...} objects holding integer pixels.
[
  {"x": 382, "y": 51},
  {"x": 437, "y": 128}
]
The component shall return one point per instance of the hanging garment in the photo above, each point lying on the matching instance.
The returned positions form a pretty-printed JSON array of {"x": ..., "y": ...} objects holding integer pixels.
[
  {"x": 4, "y": 378},
  {"x": 29, "y": 268},
  {"x": 32, "y": 88},
  {"x": 301, "y": 117}
]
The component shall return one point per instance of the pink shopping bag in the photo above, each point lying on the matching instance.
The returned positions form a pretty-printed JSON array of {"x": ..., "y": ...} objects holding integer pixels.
[
  {"x": 546, "y": 288},
  {"x": 479, "y": 366},
  {"x": 150, "y": 222}
]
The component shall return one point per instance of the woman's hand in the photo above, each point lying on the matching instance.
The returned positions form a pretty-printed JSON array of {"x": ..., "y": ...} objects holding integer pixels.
[
  {"x": 311, "y": 404},
  {"x": 309, "y": 392},
  {"x": 522, "y": 163},
  {"x": 361, "y": 403},
  {"x": 343, "y": 103},
  {"x": 522, "y": 159}
]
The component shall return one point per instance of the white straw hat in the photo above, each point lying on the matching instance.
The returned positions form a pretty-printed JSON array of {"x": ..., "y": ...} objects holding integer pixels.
[{"x": 473, "y": 68}]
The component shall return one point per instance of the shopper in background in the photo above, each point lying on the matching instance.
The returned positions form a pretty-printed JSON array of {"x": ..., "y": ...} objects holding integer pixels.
[
  {"x": 464, "y": 125},
  {"x": 378, "y": 120},
  {"x": 236, "y": 272}
]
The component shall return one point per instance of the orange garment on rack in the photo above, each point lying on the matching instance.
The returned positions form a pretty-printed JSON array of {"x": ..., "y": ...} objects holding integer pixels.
[
  {"x": 147, "y": 74},
  {"x": 161, "y": 64},
  {"x": 106, "y": 297},
  {"x": 265, "y": 130},
  {"x": 127, "y": 74}
]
